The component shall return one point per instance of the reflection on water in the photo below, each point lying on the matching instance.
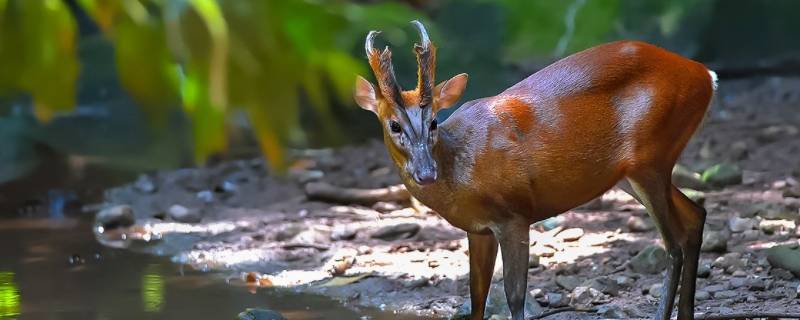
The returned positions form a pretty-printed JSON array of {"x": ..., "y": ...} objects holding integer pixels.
[
  {"x": 56, "y": 270},
  {"x": 152, "y": 289},
  {"x": 9, "y": 295}
]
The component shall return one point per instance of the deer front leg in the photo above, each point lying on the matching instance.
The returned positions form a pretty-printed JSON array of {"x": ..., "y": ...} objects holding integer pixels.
[
  {"x": 514, "y": 243},
  {"x": 482, "y": 254}
]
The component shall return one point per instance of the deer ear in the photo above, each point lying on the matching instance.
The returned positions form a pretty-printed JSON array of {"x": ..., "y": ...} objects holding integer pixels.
[
  {"x": 365, "y": 95},
  {"x": 449, "y": 91}
]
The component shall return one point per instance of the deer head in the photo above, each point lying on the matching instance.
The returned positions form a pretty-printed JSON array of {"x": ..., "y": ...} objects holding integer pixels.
[{"x": 408, "y": 117}]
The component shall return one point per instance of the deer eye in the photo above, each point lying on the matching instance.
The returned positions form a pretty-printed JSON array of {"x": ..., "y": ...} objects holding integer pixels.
[
  {"x": 434, "y": 123},
  {"x": 395, "y": 127}
]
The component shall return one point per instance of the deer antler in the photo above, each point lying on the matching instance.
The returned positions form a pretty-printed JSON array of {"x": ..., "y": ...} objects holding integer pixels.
[
  {"x": 426, "y": 61},
  {"x": 381, "y": 63}
]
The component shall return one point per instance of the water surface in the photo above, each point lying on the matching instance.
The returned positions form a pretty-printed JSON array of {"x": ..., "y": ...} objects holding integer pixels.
[{"x": 54, "y": 269}]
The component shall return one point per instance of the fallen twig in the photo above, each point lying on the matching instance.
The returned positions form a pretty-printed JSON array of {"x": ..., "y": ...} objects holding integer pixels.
[
  {"x": 560, "y": 310},
  {"x": 750, "y": 315},
  {"x": 325, "y": 192}
]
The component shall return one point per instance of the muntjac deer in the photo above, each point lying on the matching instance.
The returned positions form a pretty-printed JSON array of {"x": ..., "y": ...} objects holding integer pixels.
[{"x": 616, "y": 114}]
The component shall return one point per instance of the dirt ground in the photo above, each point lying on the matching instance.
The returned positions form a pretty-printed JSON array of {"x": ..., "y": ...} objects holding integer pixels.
[{"x": 238, "y": 218}]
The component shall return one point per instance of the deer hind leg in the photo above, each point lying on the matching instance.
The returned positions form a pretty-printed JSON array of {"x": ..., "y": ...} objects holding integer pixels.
[
  {"x": 693, "y": 218},
  {"x": 514, "y": 242},
  {"x": 653, "y": 190},
  {"x": 482, "y": 254}
]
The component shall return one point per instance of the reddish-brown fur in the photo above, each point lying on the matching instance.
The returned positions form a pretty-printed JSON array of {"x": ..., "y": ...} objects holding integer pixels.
[{"x": 564, "y": 135}]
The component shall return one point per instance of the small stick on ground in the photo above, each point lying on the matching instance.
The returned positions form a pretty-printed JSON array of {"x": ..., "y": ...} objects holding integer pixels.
[
  {"x": 328, "y": 193},
  {"x": 560, "y": 310}
]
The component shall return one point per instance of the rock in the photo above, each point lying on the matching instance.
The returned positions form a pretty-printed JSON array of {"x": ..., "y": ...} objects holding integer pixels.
[
  {"x": 756, "y": 284},
  {"x": 542, "y": 251},
  {"x": 726, "y": 294},
  {"x": 722, "y": 175},
  {"x": 568, "y": 282},
  {"x": 703, "y": 270},
  {"x": 701, "y": 295},
  {"x": 145, "y": 184},
  {"x": 496, "y": 303},
  {"x": 115, "y": 217},
  {"x": 533, "y": 261},
  {"x": 785, "y": 257},
  {"x": 624, "y": 281},
  {"x": 551, "y": 223},
  {"x": 612, "y": 312},
  {"x": 730, "y": 262},
  {"x": 640, "y": 224},
  {"x": 571, "y": 234},
  {"x": 737, "y": 282},
  {"x": 777, "y": 226},
  {"x": 288, "y": 231},
  {"x": 396, "y": 232},
  {"x": 584, "y": 297},
  {"x": 656, "y": 290},
  {"x": 736, "y": 224},
  {"x": 206, "y": 196},
  {"x": 555, "y": 300},
  {"x": 314, "y": 235},
  {"x": 603, "y": 284},
  {"x": 260, "y": 314},
  {"x": 417, "y": 283},
  {"x": 343, "y": 232},
  {"x": 180, "y": 213},
  {"x": 382, "y": 206},
  {"x": 715, "y": 241},
  {"x": 776, "y": 132},
  {"x": 682, "y": 177},
  {"x": 652, "y": 259},
  {"x": 773, "y": 211},
  {"x": 716, "y": 288},
  {"x": 750, "y": 235}
]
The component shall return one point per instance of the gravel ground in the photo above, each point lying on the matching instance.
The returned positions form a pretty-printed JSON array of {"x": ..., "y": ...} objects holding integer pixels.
[{"x": 605, "y": 255}]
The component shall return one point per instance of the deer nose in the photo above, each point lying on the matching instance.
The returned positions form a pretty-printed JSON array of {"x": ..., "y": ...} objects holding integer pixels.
[{"x": 425, "y": 177}]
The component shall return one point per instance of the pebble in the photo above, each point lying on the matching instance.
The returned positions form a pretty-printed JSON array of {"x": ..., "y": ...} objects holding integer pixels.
[
  {"x": 736, "y": 224},
  {"x": 656, "y": 290},
  {"x": 737, "y": 282},
  {"x": 145, "y": 184},
  {"x": 777, "y": 226},
  {"x": 571, "y": 234},
  {"x": 568, "y": 282},
  {"x": 652, "y": 259},
  {"x": 785, "y": 257},
  {"x": 396, "y": 231},
  {"x": 715, "y": 241},
  {"x": 343, "y": 232},
  {"x": 533, "y": 261},
  {"x": 180, "y": 213},
  {"x": 260, "y": 314},
  {"x": 726, "y": 294},
  {"x": 751, "y": 235},
  {"x": 640, "y": 224},
  {"x": 624, "y": 281},
  {"x": 206, "y": 196},
  {"x": 722, "y": 175},
  {"x": 685, "y": 178},
  {"x": 701, "y": 295},
  {"x": 716, "y": 288},
  {"x": 586, "y": 297},
  {"x": 116, "y": 216},
  {"x": 555, "y": 299},
  {"x": 730, "y": 262},
  {"x": 612, "y": 312},
  {"x": 603, "y": 284},
  {"x": 756, "y": 284},
  {"x": 703, "y": 270}
]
